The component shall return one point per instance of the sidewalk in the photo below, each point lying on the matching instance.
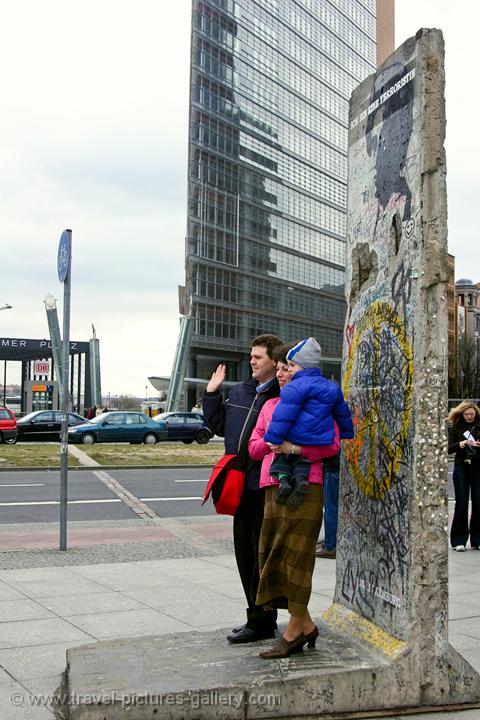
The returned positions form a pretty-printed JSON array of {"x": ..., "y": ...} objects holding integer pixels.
[{"x": 147, "y": 577}]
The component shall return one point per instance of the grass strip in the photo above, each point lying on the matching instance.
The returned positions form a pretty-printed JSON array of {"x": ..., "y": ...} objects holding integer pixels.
[{"x": 122, "y": 454}]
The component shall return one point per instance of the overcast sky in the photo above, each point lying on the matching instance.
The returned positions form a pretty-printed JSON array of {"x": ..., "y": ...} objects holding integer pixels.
[{"x": 93, "y": 136}]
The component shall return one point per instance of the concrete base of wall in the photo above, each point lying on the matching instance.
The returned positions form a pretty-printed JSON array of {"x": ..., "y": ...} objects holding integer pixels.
[{"x": 199, "y": 676}]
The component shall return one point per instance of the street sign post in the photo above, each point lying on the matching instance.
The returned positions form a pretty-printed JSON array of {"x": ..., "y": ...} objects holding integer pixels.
[{"x": 64, "y": 263}]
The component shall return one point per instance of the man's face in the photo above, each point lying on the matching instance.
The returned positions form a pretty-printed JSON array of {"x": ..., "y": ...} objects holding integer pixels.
[{"x": 263, "y": 367}]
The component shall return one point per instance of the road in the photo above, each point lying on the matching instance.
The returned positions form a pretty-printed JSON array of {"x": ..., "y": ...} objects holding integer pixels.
[{"x": 32, "y": 496}]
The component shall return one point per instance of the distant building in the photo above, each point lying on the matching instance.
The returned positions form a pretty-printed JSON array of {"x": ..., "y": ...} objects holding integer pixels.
[
  {"x": 467, "y": 296},
  {"x": 267, "y": 171},
  {"x": 452, "y": 326},
  {"x": 385, "y": 29}
]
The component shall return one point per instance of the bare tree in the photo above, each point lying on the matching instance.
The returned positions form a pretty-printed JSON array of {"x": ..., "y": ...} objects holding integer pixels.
[
  {"x": 127, "y": 402},
  {"x": 468, "y": 368}
]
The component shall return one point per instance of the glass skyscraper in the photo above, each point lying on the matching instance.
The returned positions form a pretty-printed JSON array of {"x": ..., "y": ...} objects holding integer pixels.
[{"x": 267, "y": 177}]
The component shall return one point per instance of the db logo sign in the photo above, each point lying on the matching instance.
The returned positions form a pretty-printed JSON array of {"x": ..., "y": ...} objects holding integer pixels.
[{"x": 41, "y": 368}]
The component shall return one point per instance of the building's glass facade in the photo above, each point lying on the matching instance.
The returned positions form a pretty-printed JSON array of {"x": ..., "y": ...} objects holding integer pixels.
[{"x": 270, "y": 86}]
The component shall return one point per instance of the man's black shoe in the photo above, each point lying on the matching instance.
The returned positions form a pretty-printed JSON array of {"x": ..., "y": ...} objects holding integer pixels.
[
  {"x": 250, "y": 635},
  {"x": 239, "y": 628}
]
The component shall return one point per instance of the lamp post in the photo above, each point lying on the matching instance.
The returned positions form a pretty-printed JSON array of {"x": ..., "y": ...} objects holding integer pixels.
[
  {"x": 64, "y": 267},
  {"x": 5, "y": 307},
  {"x": 55, "y": 339}
]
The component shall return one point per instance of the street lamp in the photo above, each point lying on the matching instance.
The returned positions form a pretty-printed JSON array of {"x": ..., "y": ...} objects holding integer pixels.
[
  {"x": 55, "y": 340},
  {"x": 5, "y": 307}
]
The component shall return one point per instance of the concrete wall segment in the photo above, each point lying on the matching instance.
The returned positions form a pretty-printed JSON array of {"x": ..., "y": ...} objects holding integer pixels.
[
  {"x": 396, "y": 330},
  {"x": 392, "y": 550}
]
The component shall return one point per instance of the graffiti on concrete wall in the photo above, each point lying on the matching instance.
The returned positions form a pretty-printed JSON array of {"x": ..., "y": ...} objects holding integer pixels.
[
  {"x": 373, "y": 551},
  {"x": 378, "y": 386}
]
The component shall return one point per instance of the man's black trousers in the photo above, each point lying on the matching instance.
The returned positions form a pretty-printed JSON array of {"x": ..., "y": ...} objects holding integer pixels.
[{"x": 247, "y": 524}]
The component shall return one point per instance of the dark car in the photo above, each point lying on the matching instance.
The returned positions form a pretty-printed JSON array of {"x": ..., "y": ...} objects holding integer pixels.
[
  {"x": 133, "y": 427},
  {"x": 44, "y": 425},
  {"x": 8, "y": 426},
  {"x": 186, "y": 427}
]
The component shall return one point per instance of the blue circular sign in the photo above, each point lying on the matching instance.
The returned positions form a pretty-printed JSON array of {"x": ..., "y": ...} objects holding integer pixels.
[{"x": 63, "y": 259}]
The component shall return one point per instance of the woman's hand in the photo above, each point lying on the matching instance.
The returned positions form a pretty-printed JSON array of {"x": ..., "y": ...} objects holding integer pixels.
[
  {"x": 462, "y": 444},
  {"x": 216, "y": 381},
  {"x": 287, "y": 448}
]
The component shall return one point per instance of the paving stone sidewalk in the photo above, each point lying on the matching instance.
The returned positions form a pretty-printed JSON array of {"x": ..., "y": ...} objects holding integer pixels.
[{"x": 132, "y": 585}]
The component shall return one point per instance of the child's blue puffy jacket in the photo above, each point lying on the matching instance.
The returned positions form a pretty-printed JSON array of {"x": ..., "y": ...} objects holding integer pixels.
[{"x": 308, "y": 405}]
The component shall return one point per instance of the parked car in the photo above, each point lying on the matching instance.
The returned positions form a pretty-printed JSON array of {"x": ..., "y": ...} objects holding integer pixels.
[
  {"x": 186, "y": 427},
  {"x": 44, "y": 425},
  {"x": 8, "y": 426},
  {"x": 133, "y": 427}
]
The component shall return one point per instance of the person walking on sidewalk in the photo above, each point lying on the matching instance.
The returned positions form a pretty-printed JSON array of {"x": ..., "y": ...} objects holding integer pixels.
[
  {"x": 331, "y": 477},
  {"x": 464, "y": 441},
  {"x": 234, "y": 420},
  {"x": 289, "y": 533}
]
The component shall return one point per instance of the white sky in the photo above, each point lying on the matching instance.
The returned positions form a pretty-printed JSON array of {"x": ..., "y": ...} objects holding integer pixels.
[{"x": 93, "y": 137}]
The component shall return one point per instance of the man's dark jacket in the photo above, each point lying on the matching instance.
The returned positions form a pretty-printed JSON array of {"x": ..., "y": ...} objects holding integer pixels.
[{"x": 235, "y": 418}]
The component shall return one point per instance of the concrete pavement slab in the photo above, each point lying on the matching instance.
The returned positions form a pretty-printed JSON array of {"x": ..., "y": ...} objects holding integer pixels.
[
  {"x": 86, "y": 604},
  {"x": 194, "y": 608},
  {"x": 43, "y": 631},
  {"x": 17, "y": 703},
  {"x": 22, "y": 610},
  {"x": 458, "y": 610},
  {"x": 127, "y": 623},
  {"x": 469, "y": 626},
  {"x": 5, "y": 678},
  {"x": 463, "y": 643},
  {"x": 7, "y": 592},
  {"x": 36, "y": 661},
  {"x": 48, "y": 582},
  {"x": 449, "y": 715}
]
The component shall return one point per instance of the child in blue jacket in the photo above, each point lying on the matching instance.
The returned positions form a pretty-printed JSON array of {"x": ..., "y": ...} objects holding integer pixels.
[{"x": 308, "y": 406}]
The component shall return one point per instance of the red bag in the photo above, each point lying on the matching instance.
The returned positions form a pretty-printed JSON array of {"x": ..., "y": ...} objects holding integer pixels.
[{"x": 226, "y": 485}]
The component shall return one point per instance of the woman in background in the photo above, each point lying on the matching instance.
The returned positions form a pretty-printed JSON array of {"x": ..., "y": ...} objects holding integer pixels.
[{"x": 464, "y": 441}]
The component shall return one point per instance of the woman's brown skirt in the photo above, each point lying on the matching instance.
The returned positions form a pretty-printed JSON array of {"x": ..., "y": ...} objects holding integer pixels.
[{"x": 287, "y": 550}]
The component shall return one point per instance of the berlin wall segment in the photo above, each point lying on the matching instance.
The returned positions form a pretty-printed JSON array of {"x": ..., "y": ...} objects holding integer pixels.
[{"x": 392, "y": 552}]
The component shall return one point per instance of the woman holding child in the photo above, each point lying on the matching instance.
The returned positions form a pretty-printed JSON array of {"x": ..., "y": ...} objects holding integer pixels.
[{"x": 290, "y": 529}]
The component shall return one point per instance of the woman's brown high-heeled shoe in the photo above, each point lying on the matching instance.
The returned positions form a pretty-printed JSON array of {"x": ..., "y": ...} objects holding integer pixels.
[
  {"x": 283, "y": 648},
  {"x": 311, "y": 637}
]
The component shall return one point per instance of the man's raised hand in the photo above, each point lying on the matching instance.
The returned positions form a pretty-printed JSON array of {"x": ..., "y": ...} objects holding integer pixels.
[{"x": 216, "y": 381}]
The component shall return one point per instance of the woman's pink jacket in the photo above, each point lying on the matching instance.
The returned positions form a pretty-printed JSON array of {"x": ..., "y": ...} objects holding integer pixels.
[{"x": 259, "y": 450}]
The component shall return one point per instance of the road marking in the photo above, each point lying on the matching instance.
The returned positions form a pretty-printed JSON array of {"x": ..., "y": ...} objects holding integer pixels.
[
  {"x": 92, "y": 502},
  {"x": 204, "y": 480},
  {"x": 57, "y": 502},
  {"x": 130, "y": 500},
  {"x": 24, "y": 485},
  {"x": 164, "y": 499}
]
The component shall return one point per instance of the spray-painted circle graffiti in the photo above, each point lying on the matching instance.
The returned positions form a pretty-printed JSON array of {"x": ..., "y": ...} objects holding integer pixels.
[{"x": 378, "y": 385}]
